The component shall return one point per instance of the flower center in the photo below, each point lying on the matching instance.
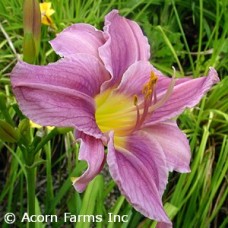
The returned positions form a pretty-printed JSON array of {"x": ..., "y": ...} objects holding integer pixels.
[
  {"x": 149, "y": 94},
  {"x": 124, "y": 114},
  {"x": 115, "y": 112}
]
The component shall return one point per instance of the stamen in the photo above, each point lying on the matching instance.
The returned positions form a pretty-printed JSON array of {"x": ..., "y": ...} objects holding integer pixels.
[
  {"x": 167, "y": 94},
  {"x": 155, "y": 95},
  {"x": 137, "y": 110},
  {"x": 147, "y": 91},
  {"x": 135, "y": 100},
  {"x": 149, "y": 86},
  {"x": 153, "y": 77}
]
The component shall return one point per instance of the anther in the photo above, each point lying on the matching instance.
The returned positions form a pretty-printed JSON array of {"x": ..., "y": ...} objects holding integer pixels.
[
  {"x": 167, "y": 95},
  {"x": 149, "y": 86},
  {"x": 153, "y": 78},
  {"x": 135, "y": 100}
]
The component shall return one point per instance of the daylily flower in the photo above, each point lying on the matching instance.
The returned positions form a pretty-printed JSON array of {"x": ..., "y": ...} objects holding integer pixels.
[
  {"x": 106, "y": 88},
  {"x": 46, "y": 12}
]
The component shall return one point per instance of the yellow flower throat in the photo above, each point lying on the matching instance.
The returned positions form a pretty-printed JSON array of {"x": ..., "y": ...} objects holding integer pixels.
[{"x": 121, "y": 113}]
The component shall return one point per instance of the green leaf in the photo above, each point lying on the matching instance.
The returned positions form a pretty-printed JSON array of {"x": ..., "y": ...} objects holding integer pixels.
[
  {"x": 89, "y": 200},
  {"x": 8, "y": 133}
]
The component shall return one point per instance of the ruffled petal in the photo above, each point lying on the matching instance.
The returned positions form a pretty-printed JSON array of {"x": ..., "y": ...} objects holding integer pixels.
[
  {"x": 140, "y": 172},
  {"x": 78, "y": 38},
  {"x": 60, "y": 94},
  {"x": 138, "y": 74},
  {"x": 91, "y": 151},
  {"x": 185, "y": 95},
  {"x": 125, "y": 45},
  {"x": 174, "y": 143}
]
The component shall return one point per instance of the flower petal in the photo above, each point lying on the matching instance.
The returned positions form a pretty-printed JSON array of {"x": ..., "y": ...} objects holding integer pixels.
[
  {"x": 125, "y": 45},
  {"x": 164, "y": 81},
  {"x": 134, "y": 78},
  {"x": 185, "y": 95},
  {"x": 138, "y": 74},
  {"x": 78, "y": 38},
  {"x": 140, "y": 171},
  {"x": 174, "y": 144},
  {"x": 92, "y": 151},
  {"x": 164, "y": 225},
  {"x": 60, "y": 94}
]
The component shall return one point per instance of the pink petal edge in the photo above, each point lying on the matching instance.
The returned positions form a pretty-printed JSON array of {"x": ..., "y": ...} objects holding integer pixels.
[
  {"x": 78, "y": 38},
  {"x": 125, "y": 44},
  {"x": 91, "y": 151}
]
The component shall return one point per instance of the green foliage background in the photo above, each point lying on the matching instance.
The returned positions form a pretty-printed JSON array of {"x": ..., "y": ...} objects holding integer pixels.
[{"x": 190, "y": 35}]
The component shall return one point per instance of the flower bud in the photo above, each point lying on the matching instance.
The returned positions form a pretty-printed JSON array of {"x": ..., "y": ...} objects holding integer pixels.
[
  {"x": 24, "y": 130},
  {"x": 32, "y": 30},
  {"x": 8, "y": 133},
  {"x": 24, "y": 126}
]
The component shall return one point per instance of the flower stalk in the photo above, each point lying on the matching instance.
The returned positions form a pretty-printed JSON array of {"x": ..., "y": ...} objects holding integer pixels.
[
  {"x": 31, "y": 182},
  {"x": 31, "y": 44}
]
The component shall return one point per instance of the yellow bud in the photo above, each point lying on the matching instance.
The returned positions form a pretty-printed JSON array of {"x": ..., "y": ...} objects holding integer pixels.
[{"x": 46, "y": 12}]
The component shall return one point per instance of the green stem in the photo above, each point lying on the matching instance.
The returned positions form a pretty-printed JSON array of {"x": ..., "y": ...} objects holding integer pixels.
[
  {"x": 45, "y": 140},
  {"x": 198, "y": 61},
  {"x": 31, "y": 180},
  {"x": 50, "y": 194}
]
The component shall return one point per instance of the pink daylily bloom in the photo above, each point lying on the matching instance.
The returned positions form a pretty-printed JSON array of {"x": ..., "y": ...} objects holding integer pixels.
[{"x": 106, "y": 88}]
